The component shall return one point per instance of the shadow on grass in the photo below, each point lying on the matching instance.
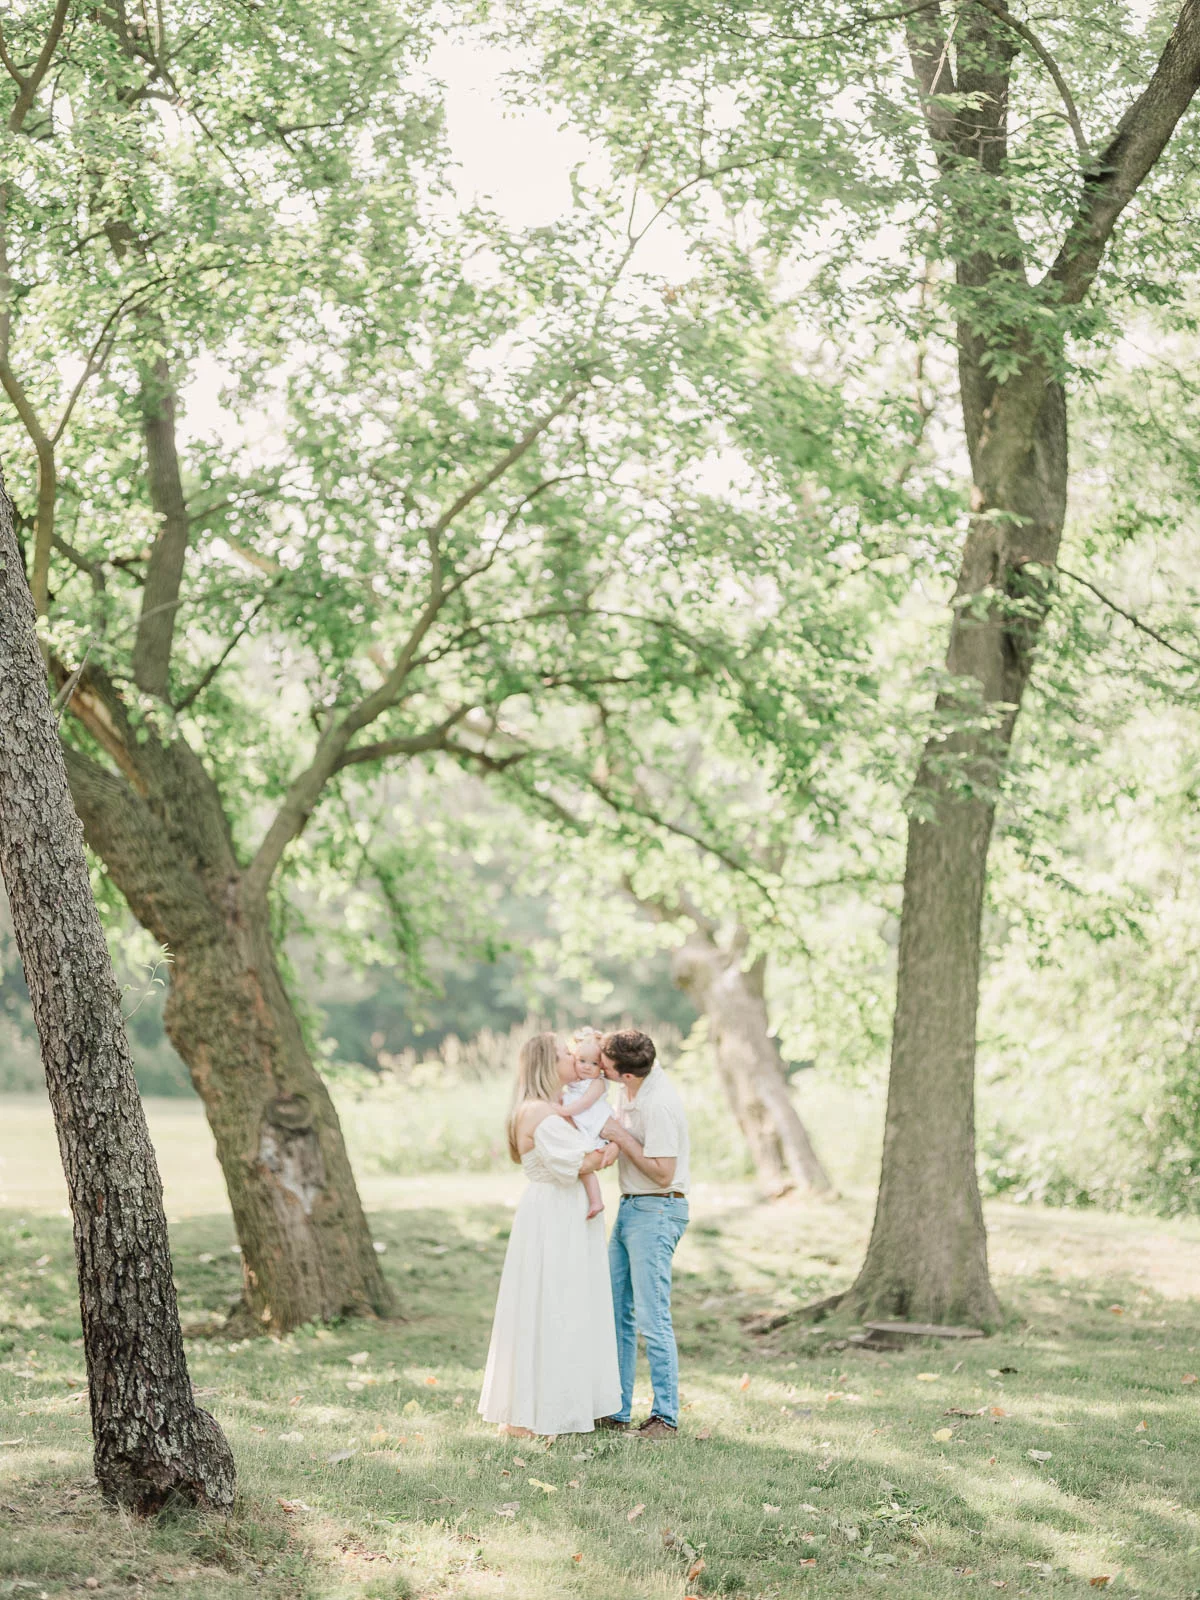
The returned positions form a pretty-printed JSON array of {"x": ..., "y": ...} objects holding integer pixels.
[{"x": 802, "y": 1469}]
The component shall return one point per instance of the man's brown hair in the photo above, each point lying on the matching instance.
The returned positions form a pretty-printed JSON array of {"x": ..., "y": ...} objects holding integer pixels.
[{"x": 630, "y": 1051}]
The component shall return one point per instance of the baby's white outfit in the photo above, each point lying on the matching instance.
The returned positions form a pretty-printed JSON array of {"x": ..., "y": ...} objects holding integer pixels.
[{"x": 590, "y": 1120}]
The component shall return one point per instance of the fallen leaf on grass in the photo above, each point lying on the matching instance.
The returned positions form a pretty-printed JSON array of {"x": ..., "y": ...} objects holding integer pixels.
[
  {"x": 744, "y": 1381},
  {"x": 927, "y": 1377},
  {"x": 573, "y": 1483},
  {"x": 1102, "y": 1582},
  {"x": 339, "y": 1455},
  {"x": 632, "y": 1516},
  {"x": 705, "y": 1433},
  {"x": 431, "y": 1382},
  {"x": 943, "y": 1435},
  {"x": 1117, "y": 1311},
  {"x": 508, "y": 1509},
  {"x": 292, "y": 1506},
  {"x": 1189, "y": 1377},
  {"x": 517, "y": 1462},
  {"x": 771, "y": 1511},
  {"x": 997, "y": 1411},
  {"x": 578, "y": 1556},
  {"x": 807, "y": 1561},
  {"x": 1142, "y": 1427},
  {"x": 696, "y": 1568},
  {"x": 546, "y": 1488},
  {"x": 1039, "y": 1455},
  {"x": 254, "y": 1428},
  {"x": 998, "y": 1583},
  {"x": 291, "y": 1438},
  {"x": 957, "y": 1411},
  {"x": 359, "y": 1357}
]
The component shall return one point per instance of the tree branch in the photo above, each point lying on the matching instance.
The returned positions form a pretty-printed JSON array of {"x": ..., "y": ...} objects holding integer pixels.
[
  {"x": 1140, "y": 138},
  {"x": 164, "y": 574},
  {"x": 10, "y": 66},
  {"x": 411, "y": 744},
  {"x": 508, "y": 460},
  {"x": 210, "y": 673},
  {"x": 29, "y": 88},
  {"x": 1039, "y": 49},
  {"x": 94, "y": 569},
  {"x": 1129, "y": 616}
]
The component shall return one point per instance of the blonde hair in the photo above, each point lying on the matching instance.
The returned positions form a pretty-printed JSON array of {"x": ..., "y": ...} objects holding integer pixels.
[{"x": 537, "y": 1078}]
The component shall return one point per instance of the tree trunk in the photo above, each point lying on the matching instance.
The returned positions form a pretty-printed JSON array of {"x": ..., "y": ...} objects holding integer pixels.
[
  {"x": 153, "y": 1444},
  {"x": 748, "y": 1062},
  {"x": 927, "y": 1258},
  {"x": 306, "y": 1249}
]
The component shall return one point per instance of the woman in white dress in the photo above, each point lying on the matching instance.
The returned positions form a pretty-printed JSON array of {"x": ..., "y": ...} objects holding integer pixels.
[{"x": 552, "y": 1364}]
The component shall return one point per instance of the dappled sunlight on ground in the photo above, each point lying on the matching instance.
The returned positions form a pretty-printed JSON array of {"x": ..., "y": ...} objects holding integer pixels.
[{"x": 805, "y": 1466}]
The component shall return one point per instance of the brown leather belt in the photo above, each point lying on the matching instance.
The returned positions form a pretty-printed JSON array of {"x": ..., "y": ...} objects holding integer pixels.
[{"x": 671, "y": 1194}]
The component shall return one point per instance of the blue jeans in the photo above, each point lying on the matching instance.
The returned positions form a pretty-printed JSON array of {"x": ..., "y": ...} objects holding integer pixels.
[{"x": 639, "y": 1262}]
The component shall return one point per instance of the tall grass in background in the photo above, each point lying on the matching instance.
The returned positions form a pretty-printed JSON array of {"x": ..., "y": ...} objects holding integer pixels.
[{"x": 445, "y": 1111}]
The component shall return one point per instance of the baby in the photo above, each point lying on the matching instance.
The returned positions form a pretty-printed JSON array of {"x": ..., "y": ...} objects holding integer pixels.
[{"x": 585, "y": 1102}]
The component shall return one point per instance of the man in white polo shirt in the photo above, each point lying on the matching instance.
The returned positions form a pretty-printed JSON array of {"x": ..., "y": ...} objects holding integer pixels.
[{"x": 650, "y": 1130}]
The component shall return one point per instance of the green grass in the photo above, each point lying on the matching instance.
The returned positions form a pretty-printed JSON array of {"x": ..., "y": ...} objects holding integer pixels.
[{"x": 375, "y": 1477}]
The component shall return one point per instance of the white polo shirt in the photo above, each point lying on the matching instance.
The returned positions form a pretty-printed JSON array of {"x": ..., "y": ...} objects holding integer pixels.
[{"x": 655, "y": 1116}]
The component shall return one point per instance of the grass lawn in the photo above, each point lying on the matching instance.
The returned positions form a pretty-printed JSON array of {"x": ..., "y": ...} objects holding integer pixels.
[{"x": 803, "y": 1468}]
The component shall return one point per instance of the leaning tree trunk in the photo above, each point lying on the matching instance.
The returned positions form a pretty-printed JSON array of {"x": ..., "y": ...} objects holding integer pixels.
[
  {"x": 153, "y": 1444},
  {"x": 307, "y": 1254},
  {"x": 748, "y": 1063}
]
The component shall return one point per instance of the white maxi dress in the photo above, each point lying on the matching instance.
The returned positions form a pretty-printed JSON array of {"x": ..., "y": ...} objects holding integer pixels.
[{"x": 552, "y": 1363}]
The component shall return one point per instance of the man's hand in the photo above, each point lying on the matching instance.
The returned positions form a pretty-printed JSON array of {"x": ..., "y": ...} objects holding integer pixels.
[
  {"x": 659, "y": 1169},
  {"x": 608, "y": 1155}
]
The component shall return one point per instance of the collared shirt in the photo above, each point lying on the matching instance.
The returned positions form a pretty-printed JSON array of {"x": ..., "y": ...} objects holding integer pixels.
[{"x": 656, "y": 1117}]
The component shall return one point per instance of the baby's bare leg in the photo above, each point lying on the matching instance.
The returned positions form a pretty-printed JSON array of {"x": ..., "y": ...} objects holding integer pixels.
[{"x": 591, "y": 1187}]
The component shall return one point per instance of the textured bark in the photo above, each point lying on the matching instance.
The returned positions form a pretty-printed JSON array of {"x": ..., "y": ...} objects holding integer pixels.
[
  {"x": 159, "y": 825},
  {"x": 307, "y": 1253},
  {"x": 153, "y": 1444},
  {"x": 164, "y": 572},
  {"x": 748, "y": 1062},
  {"x": 927, "y": 1258}
]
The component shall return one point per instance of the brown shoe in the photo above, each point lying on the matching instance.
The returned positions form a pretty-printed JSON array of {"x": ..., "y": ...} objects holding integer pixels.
[
  {"x": 657, "y": 1428},
  {"x": 611, "y": 1425}
]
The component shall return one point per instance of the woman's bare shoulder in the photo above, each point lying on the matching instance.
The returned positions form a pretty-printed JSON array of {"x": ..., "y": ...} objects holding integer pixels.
[{"x": 530, "y": 1113}]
